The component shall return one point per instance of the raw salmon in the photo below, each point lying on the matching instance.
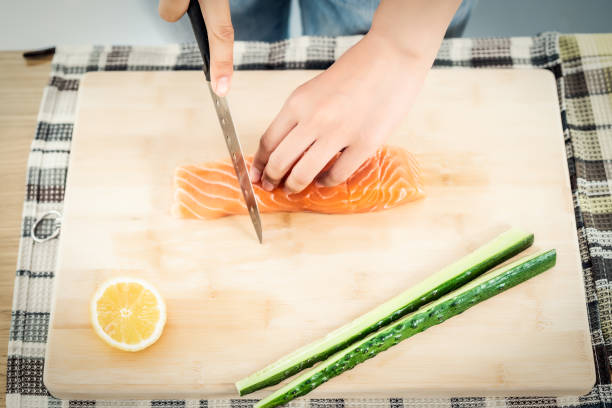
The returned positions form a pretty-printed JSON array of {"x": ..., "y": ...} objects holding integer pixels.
[{"x": 389, "y": 178}]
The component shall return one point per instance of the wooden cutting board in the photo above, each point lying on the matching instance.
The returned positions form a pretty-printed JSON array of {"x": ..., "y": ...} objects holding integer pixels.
[{"x": 491, "y": 147}]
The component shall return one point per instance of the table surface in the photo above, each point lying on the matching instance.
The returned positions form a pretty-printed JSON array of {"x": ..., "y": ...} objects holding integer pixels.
[
  {"x": 21, "y": 87},
  {"x": 22, "y": 83}
]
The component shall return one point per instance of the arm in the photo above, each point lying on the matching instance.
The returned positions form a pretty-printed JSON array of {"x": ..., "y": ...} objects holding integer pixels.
[
  {"x": 353, "y": 105},
  {"x": 414, "y": 27}
]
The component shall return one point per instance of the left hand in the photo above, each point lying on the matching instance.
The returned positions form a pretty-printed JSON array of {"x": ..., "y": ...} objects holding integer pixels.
[{"x": 350, "y": 108}]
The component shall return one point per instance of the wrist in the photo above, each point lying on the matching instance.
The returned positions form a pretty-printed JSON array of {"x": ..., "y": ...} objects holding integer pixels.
[
  {"x": 414, "y": 29},
  {"x": 386, "y": 49}
]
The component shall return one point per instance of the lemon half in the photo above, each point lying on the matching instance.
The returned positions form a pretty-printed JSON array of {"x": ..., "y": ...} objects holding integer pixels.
[{"x": 128, "y": 313}]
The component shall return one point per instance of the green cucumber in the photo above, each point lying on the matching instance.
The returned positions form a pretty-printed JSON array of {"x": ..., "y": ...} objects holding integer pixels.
[
  {"x": 435, "y": 313},
  {"x": 444, "y": 281}
]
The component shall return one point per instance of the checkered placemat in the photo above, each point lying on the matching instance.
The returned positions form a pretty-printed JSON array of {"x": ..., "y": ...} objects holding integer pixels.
[{"x": 582, "y": 66}]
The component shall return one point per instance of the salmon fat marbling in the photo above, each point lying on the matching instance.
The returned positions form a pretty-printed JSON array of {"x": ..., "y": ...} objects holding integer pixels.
[{"x": 391, "y": 177}]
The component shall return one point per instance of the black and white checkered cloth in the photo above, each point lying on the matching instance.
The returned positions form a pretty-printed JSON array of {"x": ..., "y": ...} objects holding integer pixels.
[{"x": 582, "y": 66}]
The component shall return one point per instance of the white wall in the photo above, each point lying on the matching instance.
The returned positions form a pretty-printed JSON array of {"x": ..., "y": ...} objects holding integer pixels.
[
  {"x": 29, "y": 24},
  {"x": 508, "y": 18}
]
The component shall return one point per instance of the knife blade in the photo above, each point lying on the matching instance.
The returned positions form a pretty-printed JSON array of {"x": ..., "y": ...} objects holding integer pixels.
[{"x": 225, "y": 120}]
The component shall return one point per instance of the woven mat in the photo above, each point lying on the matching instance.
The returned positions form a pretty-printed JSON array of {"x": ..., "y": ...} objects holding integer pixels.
[{"x": 582, "y": 66}]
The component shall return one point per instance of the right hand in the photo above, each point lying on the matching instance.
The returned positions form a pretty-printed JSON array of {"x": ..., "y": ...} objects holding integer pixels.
[{"x": 220, "y": 31}]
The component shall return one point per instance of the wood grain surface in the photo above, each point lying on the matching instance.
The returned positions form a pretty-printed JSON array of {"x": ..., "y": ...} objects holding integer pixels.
[
  {"x": 21, "y": 87},
  {"x": 491, "y": 148}
]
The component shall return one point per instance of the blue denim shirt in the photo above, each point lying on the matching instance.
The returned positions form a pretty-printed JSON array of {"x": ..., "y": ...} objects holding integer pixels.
[{"x": 268, "y": 20}]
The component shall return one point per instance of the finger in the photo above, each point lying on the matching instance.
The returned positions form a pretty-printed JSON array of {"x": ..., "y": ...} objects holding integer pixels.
[
  {"x": 221, "y": 41},
  {"x": 172, "y": 10},
  {"x": 286, "y": 154},
  {"x": 310, "y": 165},
  {"x": 284, "y": 122},
  {"x": 349, "y": 161}
]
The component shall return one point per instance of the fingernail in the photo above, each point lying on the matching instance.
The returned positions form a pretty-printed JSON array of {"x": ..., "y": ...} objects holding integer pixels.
[
  {"x": 267, "y": 185},
  {"x": 222, "y": 86},
  {"x": 255, "y": 174}
]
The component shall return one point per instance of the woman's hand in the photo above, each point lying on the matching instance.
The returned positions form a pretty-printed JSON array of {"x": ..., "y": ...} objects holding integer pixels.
[
  {"x": 350, "y": 108},
  {"x": 220, "y": 31},
  {"x": 357, "y": 102}
]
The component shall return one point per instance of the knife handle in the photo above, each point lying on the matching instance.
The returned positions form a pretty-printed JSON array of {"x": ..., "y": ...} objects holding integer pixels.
[{"x": 199, "y": 29}]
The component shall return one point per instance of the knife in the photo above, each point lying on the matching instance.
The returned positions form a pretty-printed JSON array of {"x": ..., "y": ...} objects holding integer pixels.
[{"x": 225, "y": 119}]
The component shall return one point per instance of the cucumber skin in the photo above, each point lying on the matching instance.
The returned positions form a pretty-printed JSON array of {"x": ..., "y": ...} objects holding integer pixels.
[
  {"x": 413, "y": 324},
  {"x": 438, "y": 291}
]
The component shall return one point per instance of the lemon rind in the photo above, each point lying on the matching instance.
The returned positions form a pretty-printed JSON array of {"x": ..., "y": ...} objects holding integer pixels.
[{"x": 159, "y": 327}]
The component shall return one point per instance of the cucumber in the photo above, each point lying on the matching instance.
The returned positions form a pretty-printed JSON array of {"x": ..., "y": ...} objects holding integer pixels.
[
  {"x": 435, "y": 313},
  {"x": 444, "y": 281}
]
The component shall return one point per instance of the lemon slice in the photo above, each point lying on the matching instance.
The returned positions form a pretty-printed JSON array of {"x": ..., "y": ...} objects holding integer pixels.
[{"x": 128, "y": 313}]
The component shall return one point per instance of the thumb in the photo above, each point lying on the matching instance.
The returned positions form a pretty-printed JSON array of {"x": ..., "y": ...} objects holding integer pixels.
[
  {"x": 172, "y": 10},
  {"x": 221, "y": 41}
]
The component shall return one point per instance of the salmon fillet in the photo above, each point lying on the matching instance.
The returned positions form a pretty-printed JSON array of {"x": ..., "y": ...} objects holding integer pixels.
[{"x": 389, "y": 178}]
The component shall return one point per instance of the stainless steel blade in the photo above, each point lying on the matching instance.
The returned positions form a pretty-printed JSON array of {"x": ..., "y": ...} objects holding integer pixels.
[{"x": 233, "y": 146}]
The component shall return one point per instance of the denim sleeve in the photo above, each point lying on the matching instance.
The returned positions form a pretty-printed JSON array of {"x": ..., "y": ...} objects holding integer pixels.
[{"x": 333, "y": 18}]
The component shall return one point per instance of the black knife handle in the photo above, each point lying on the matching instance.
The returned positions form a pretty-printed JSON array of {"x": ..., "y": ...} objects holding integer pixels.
[{"x": 199, "y": 29}]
